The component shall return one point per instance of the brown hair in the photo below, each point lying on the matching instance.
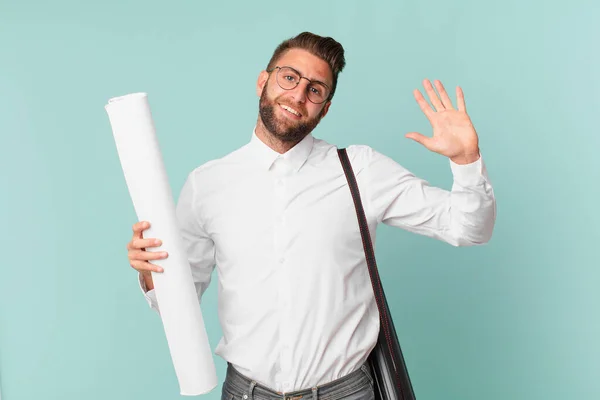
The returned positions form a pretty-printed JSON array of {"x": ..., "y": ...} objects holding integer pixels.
[{"x": 325, "y": 48}]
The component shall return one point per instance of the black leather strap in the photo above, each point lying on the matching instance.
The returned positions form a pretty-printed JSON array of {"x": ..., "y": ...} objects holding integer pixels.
[{"x": 390, "y": 346}]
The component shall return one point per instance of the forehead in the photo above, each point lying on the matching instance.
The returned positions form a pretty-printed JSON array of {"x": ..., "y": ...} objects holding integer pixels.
[{"x": 307, "y": 64}]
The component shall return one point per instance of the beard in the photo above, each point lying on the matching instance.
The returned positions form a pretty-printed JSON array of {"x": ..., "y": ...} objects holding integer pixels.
[{"x": 285, "y": 129}]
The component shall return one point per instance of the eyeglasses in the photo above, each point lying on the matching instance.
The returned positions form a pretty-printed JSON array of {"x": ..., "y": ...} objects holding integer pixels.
[{"x": 288, "y": 78}]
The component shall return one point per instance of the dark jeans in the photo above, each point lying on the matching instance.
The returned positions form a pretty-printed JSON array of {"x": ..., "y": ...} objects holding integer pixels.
[{"x": 357, "y": 385}]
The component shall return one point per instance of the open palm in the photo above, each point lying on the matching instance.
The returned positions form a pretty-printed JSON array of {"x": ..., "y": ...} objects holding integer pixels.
[{"x": 453, "y": 133}]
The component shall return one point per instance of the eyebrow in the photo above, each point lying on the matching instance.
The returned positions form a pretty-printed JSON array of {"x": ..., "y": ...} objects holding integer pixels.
[{"x": 304, "y": 76}]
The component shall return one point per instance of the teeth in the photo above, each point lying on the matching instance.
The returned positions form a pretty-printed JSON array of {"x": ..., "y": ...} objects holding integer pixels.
[{"x": 290, "y": 110}]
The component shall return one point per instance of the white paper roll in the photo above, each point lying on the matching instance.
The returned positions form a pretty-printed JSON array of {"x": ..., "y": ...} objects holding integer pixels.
[{"x": 146, "y": 178}]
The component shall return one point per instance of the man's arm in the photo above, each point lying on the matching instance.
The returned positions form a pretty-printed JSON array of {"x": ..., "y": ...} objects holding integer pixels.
[
  {"x": 198, "y": 245},
  {"x": 148, "y": 282},
  {"x": 464, "y": 216}
]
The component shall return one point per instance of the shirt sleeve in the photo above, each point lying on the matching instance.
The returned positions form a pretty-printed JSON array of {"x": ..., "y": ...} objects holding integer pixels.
[
  {"x": 199, "y": 246},
  {"x": 464, "y": 216}
]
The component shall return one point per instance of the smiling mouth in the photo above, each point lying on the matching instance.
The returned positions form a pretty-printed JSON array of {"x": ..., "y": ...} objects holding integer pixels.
[{"x": 290, "y": 110}]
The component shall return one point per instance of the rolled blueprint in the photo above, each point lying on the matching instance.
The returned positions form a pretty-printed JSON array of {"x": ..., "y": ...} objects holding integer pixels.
[{"x": 146, "y": 178}]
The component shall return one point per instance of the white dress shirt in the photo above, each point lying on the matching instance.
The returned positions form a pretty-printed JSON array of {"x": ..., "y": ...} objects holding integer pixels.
[{"x": 295, "y": 300}]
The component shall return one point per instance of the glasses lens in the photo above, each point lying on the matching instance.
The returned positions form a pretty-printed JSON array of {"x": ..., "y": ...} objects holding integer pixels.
[
  {"x": 287, "y": 78},
  {"x": 317, "y": 93}
]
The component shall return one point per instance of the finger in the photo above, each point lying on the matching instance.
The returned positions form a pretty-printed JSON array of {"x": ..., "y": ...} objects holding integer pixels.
[
  {"x": 144, "y": 266},
  {"x": 444, "y": 95},
  {"x": 143, "y": 243},
  {"x": 460, "y": 99},
  {"x": 147, "y": 255},
  {"x": 433, "y": 97},
  {"x": 423, "y": 104},
  {"x": 417, "y": 137},
  {"x": 138, "y": 227}
]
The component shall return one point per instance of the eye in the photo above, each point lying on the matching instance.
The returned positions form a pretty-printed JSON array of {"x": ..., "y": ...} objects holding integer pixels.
[
  {"x": 315, "y": 90},
  {"x": 289, "y": 78}
]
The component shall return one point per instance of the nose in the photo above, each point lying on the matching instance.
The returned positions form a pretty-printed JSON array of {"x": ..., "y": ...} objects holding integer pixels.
[{"x": 300, "y": 92}]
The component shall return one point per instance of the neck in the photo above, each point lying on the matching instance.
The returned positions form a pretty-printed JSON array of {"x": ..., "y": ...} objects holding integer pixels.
[{"x": 280, "y": 146}]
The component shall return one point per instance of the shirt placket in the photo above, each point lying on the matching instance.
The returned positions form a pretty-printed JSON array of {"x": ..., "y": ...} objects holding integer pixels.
[{"x": 281, "y": 174}]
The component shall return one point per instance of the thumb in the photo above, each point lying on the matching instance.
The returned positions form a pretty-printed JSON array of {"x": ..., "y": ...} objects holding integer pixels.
[{"x": 417, "y": 137}]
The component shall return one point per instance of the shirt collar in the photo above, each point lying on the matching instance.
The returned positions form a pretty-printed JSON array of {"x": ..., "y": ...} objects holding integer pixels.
[{"x": 266, "y": 156}]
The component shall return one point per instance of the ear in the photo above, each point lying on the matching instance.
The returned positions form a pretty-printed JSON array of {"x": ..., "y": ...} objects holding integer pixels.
[
  {"x": 263, "y": 77},
  {"x": 326, "y": 109}
]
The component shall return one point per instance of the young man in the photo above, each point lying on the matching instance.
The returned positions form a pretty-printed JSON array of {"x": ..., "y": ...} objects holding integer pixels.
[{"x": 276, "y": 217}]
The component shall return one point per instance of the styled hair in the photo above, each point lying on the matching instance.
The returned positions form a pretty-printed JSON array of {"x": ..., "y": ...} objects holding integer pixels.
[{"x": 325, "y": 48}]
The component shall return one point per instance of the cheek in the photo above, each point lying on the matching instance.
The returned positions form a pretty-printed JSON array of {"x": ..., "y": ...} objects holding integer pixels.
[
  {"x": 275, "y": 92},
  {"x": 315, "y": 110},
  {"x": 280, "y": 94}
]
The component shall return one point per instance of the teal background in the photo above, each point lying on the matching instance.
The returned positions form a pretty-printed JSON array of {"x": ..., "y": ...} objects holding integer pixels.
[{"x": 515, "y": 319}]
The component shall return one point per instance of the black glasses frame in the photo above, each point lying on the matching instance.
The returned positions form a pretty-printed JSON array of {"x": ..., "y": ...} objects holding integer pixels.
[{"x": 297, "y": 83}]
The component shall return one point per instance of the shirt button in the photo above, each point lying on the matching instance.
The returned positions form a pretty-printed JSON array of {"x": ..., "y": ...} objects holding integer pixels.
[{"x": 281, "y": 260}]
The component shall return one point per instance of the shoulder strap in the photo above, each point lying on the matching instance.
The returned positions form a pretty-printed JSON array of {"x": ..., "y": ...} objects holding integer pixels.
[
  {"x": 387, "y": 350},
  {"x": 364, "y": 227}
]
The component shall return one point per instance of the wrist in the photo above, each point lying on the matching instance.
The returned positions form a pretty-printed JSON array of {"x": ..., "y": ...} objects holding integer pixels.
[{"x": 467, "y": 158}]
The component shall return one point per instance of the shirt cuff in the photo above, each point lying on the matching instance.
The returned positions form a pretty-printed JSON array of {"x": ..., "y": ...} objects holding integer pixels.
[
  {"x": 471, "y": 174},
  {"x": 149, "y": 295}
]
